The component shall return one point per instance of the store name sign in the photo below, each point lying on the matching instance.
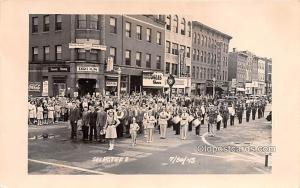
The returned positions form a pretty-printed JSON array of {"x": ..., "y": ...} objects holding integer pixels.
[
  {"x": 87, "y": 69},
  {"x": 87, "y": 46},
  {"x": 109, "y": 83},
  {"x": 59, "y": 69},
  {"x": 152, "y": 78}
]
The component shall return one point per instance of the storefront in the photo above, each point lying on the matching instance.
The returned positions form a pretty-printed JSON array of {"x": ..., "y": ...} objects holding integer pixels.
[{"x": 153, "y": 82}]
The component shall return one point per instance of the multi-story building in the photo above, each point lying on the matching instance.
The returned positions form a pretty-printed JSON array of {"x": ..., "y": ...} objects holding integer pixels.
[
  {"x": 68, "y": 53},
  {"x": 237, "y": 68},
  {"x": 268, "y": 75},
  {"x": 209, "y": 59},
  {"x": 178, "y": 41},
  {"x": 261, "y": 77}
]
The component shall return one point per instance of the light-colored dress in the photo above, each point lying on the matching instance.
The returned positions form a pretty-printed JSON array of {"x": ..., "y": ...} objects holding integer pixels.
[
  {"x": 50, "y": 112},
  {"x": 112, "y": 123},
  {"x": 32, "y": 111},
  {"x": 39, "y": 114},
  {"x": 134, "y": 127}
]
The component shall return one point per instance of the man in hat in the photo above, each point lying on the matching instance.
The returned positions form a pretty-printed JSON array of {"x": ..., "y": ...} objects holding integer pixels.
[
  {"x": 74, "y": 117},
  {"x": 92, "y": 122},
  {"x": 248, "y": 112}
]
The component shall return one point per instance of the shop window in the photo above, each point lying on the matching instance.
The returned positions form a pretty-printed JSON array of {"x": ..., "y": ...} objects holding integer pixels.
[
  {"x": 128, "y": 57},
  {"x": 113, "y": 25},
  {"x": 46, "y": 23},
  {"x": 35, "y": 24},
  {"x": 94, "y": 55},
  {"x": 58, "y": 22}
]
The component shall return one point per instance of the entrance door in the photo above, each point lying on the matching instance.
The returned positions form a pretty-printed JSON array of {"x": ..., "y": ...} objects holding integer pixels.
[
  {"x": 86, "y": 86},
  {"x": 135, "y": 83}
]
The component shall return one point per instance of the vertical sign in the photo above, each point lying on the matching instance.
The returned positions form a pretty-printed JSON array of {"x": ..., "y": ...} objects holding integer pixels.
[
  {"x": 45, "y": 88},
  {"x": 182, "y": 64}
]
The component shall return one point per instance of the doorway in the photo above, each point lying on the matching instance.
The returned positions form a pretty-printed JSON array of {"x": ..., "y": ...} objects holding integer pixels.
[{"x": 86, "y": 86}]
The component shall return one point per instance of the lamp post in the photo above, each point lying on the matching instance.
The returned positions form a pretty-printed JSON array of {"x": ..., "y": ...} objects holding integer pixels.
[
  {"x": 119, "y": 82},
  {"x": 214, "y": 85}
]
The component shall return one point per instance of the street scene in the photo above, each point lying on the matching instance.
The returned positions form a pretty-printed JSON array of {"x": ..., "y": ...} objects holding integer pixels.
[{"x": 144, "y": 94}]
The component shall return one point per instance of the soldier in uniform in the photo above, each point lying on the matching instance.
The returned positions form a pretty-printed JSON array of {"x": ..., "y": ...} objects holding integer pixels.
[
  {"x": 163, "y": 122},
  {"x": 259, "y": 110},
  {"x": 248, "y": 112},
  {"x": 212, "y": 118},
  {"x": 240, "y": 111},
  {"x": 225, "y": 115},
  {"x": 254, "y": 107}
]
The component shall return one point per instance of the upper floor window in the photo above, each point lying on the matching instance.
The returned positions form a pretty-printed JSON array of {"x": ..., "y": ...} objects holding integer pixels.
[
  {"x": 113, "y": 54},
  {"x": 58, "y": 52},
  {"x": 139, "y": 32},
  {"x": 175, "y": 25},
  {"x": 46, "y": 53},
  {"x": 158, "y": 38},
  {"x": 148, "y": 60},
  {"x": 138, "y": 58},
  {"x": 148, "y": 35},
  {"x": 193, "y": 72},
  {"x": 128, "y": 57},
  {"x": 81, "y": 21},
  {"x": 167, "y": 67},
  {"x": 128, "y": 29},
  {"x": 168, "y": 24},
  {"x": 188, "y": 52},
  {"x": 183, "y": 26},
  {"x": 175, "y": 49},
  {"x": 158, "y": 62},
  {"x": 199, "y": 39},
  {"x": 58, "y": 22},
  {"x": 46, "y": 23},
  {"x": 112, "y": 25},
  {"x": 35, "y": 24},
  {"x": 81, "y": 54},
  {"x": 168, "y": 46},
  {"x": 189, "y": 29},
  {"x": 94, "y": 22},
  {"x": 94, "y": 55},
  {"x": 35, "y": 53},
  {"x": 195, "y": 37}
]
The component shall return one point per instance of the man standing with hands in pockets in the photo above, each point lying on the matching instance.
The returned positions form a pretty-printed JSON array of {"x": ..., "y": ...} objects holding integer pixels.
[{"x": 74, "y": 117}]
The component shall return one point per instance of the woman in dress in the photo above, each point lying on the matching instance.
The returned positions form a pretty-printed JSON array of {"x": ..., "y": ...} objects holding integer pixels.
[
  {"x": 50, "y": 114},
  {"x": 39, "y": 114},
  {"x": 45, "y": 114},
  {"x": 32, "y": 113},
  {"x": 111, "y": 132},
  {"x": 149, "y": 122}
]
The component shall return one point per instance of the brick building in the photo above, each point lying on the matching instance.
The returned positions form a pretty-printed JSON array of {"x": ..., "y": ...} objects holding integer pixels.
[
  {"x": 209, "y": 59},
  {"x": 68, "y": 53}
]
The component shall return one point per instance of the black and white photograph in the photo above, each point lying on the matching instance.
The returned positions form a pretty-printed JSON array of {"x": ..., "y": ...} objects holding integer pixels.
[
  {"x": 149, "y": 94},
  {"x": 145, "y": 94}
]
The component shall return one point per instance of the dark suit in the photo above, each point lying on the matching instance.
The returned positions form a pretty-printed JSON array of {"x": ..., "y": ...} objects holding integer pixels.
[
  {"x": 74, "y": 116},
  {"x": 92, "y": 122},
  {"x": 101, "y": 122}
]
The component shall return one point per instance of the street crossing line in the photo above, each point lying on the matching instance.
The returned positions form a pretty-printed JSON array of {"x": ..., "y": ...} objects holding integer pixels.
[{"x": 70, "y": 167}]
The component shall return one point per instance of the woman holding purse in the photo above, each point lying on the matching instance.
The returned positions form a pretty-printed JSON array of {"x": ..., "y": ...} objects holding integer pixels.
[{"x": 111, "y": 132}]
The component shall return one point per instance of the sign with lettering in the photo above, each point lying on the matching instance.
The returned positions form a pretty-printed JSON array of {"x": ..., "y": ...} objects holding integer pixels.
[
  {"x": 87, "y": 69},
  {"x": 87, "y": 46},
  {"x": 151, "y": 78},
  {"x": 34, "y": 86},
  {"x": 58, "y": 69},
  {"x": 45, "y": 88},
  {"x": 110, "y": 83}
]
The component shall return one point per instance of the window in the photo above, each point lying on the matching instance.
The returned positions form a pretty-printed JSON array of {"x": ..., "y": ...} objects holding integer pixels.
[
  {"x": 205, "y": 41},
  {"x": 113, "y": 54},
  {"x": 81, "y": 21},
  {"x": 199, "y": 39},
  {"x": 168, "y": 25},
  {"x": 194, "y": 54},
  {"x": 215, "y": 59},
  {"x": 58, "y": 52},
  {"x": 209, "y": 41},
  {"x": 197, "y": 73},
  {"x": 201, "y": 73},
  {"x": 214, "y": 73},
  {"x": 168, "y": 46},
  {"x": 208, "y": 73},
  {"x": 195, "y": 37},
  {"x": 148, "y": 60},
  {"x": 46, "y": 53},
  {"x": 158, "y": 38},
  {"x": 46, "y": 23},
  {"x": 175, "y": 49},
  {"x": 94, "y": 55},
  {"x": 188, "y": 52},
  {"x": 139, "y": 32},
  {"x": 193, "y": 72},
  {"x": 167, "y": 67},
  {"x": 94, "y": 23},
  {"x": 35, "y": 53},
  {"x": 81, "y": 54},
  {"x": 148, "y": 35},
  {"x": 204, "y": 57},
  {"x": 113, "y": 25},
  {"x": 183, "y": 26},
  {"x": 202, "y": 40},
  {"x": 128, "y": 29},
  {"x": 174, "y": 69},
  {"x": 58, "y": 22},
  {"x": 204, "y": 73},
  {"x": 189, "y": 29},
  {"x": 198, "y": 55},
  {"x": 128, "y": 57},
  {"x": 138, "y": 57},
  {"x": 182, "y": 49},
  {"x": 211, "y": 74},
  {"x": 35, "y": 24},
  {"x": 158, "y": 62},
  {"x": 188, "y": 70},
  {"x": 201, "y": 56},
  {"x": 208, "y": 61},
  {"x": 175, "y": 25}
]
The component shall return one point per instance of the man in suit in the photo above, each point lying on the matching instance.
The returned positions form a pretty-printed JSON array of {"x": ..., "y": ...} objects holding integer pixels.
[
  {"x": 92, "y": 122},
  {"x": 248, "y": 112},
  {"x": 101, "y": 122},
  {"x": 74, "y": 116}
]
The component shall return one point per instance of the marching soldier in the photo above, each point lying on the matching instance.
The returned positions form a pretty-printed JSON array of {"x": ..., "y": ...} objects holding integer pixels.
[
  {"x": 232, "y": 114},
  {"x": 248, "y": 112},
  {"x": 184, "y": 123},
  {"x": 240, "y": 111},
  {"x": 254, "y": 107},
  {"x": 163, "y": 122},
  {"x": 212, "y": 118}
]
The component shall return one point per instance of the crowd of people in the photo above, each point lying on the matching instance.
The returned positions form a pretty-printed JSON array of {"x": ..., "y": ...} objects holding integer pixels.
[{"x": 105, "y": 119}]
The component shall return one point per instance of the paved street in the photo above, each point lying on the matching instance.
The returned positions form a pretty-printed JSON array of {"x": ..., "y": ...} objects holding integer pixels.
[{"x": 59, "y": 155}]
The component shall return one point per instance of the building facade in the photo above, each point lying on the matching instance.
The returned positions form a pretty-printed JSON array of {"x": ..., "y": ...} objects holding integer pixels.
[
  {"x": 68, "y": 53},
  {"x": 209, "y": 59},
  {"x": 268, "y": 75}
]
